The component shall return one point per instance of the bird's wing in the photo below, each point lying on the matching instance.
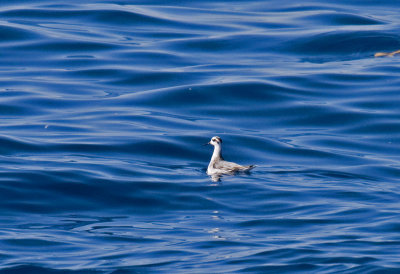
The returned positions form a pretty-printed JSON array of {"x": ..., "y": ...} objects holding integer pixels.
[{"x": 228, "y": 166}]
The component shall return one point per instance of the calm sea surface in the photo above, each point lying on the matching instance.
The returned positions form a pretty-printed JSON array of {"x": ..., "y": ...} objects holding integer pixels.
[{"x": 105, "y": 105}]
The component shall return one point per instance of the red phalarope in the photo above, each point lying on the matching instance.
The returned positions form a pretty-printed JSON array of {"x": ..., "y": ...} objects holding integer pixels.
[{"x": 218, "y": 166}]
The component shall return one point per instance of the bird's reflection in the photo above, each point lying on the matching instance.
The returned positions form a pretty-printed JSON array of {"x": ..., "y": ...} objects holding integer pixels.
[{"x": 216, "y": 231}]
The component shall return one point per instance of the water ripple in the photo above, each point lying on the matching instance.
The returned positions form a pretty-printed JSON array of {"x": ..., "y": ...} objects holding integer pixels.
[{"x": 105, "y": 105}]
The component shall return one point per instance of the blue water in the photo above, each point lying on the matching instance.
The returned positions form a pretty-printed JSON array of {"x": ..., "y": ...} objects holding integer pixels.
[{"x": 105, "y": 105}]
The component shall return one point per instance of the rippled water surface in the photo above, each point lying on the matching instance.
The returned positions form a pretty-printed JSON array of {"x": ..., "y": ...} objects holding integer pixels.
[{"x": 105, "y": 104}]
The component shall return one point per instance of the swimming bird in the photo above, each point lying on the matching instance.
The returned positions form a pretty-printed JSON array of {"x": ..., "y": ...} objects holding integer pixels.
[
  {"x": 218, "y": 166},
  {"x": 389, "y": 54}
]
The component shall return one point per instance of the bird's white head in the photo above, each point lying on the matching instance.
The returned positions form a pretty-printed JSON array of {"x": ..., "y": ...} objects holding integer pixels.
[{"x": 215, "y": 141}]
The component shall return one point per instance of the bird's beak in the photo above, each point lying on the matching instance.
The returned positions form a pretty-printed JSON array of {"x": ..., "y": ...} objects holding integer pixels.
[{"x": 206, "y": 144}]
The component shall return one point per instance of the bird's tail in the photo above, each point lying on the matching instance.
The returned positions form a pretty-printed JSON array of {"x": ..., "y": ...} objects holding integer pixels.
[{"x": 250, "y": 167}]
